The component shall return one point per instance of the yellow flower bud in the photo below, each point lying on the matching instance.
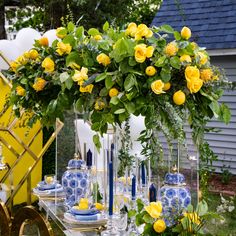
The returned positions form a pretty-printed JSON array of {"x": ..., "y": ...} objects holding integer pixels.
[
  {"x": 99, "y": 104},
  {"x": 63, "y": 48},
  {"x": 33, "y": 54},
  {"x": 179, "y": 98},
  {"x": 149, "y": 51},
  {"x": 48, "y": 65},
  {"x": 159, "y": 226},
  {"x": 206, "y": 74},
  {"x": 97, "y": 37},
  {"x": 113, "y": 92},
  {"x": 39, "y": 84},
  {"x": 103, "y": 59},
  {"x": 167, "y": 86},
  {"x": 185, "y": 33},
  {"x": 20, "y": 91},
  {"x": 43, "y": 41},
  {"x": 61, "y": 32},
  {"x": 157, "y": 87},
  {"x": 185, "y": 58},
  {"x": 14, "y": 65},
  {"x": 150, "y": 71}
]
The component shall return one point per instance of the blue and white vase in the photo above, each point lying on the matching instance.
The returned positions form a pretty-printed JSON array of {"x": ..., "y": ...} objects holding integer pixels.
[
  {"x": 175, "y": 197},
  {"x": 75, "y": 181}
]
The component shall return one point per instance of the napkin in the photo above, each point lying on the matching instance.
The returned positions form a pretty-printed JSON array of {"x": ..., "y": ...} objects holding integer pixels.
[{"x": 87, "y": 217}]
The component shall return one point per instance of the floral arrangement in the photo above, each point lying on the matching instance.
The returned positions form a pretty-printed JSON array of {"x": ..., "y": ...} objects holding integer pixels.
[
  {"x": 156, "y": 72},
  {"x": 150, "y": 220}
]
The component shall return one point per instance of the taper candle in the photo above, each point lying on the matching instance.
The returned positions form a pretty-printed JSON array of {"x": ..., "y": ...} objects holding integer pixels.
[
  {"x": 143, "y": 173},
  {"x": 133, "y": 189},
  {"x": 110, "y": 188}
]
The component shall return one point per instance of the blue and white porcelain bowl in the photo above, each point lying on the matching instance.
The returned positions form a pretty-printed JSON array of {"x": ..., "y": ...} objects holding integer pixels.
[
  {"x": 175, "y": 197},
  {"x": 75, "y": 181}
]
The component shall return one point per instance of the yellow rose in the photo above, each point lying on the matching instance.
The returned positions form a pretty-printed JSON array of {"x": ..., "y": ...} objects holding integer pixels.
[
  {"x": 159, "y": 226},
  {"x": 185, "y": 33},
  {"x": 26, "y": 55},
  {"x": 185, "y": 58},
  {"x": 80, "y": 76},
  {"x": 97, "y": 37},
  {"x": 206, "y": 74},
  {"x": 113, "y": 92},
  {"x": 171, "y": 49},
  {"x": 39, "y": 84},
  {"x": 202, "y": 58},
  {"x": 63, "y": 48},
  {"x": 99, "y": 104},
  {"x": 149, "y": 51},
  {"x": 194, "y": 45},
  {"x": 43, "y": 41},
  {"x": 48, "y": 65},
  {"x": 167, "y": 86},
  {"x": 131, "y": 30},
  {"x": 154, "y": 209},
  {"x": 194, "y": 85},
  {"x": 14, "y": 65},
  {"x": 86, "y": 89},
  {"x": 140, "y": 53},
  {"x": 61, "y": 32},
  {"x": 20, "y": 91},
  {"x": 99, "y": 206},
  {"x": 192, "y": 72},
  {"x": 157, "y": 86},
  {"x": 150, "y": 71},
  {"x": 74, "y": 65},
  {"x": 22, "y": 60},
  {"x": 33, "y": 54},
  {"x": 103, "y": 59}
]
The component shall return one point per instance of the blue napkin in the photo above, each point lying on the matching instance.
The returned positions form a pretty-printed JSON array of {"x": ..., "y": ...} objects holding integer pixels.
[
  {"x": 86, "y": 217},
  {"x": 89, "y": 212}
]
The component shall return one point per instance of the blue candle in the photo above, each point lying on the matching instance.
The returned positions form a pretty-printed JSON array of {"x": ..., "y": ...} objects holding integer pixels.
[
  {"x": 89, "y": 160},
  {"x": 133, "y": 189},
  {"x": 143, "y": 173},
  {"x": 112, "y": 151},
  {"x": 152, "y": 193},
  {"x": 110, "y": 189}
]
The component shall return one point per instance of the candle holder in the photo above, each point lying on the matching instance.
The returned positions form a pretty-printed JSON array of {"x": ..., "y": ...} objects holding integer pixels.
[{"x": 132, "y": 229}]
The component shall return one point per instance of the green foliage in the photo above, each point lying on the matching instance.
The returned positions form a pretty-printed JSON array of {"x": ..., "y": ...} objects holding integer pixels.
[{"x": 225, "y": 175}]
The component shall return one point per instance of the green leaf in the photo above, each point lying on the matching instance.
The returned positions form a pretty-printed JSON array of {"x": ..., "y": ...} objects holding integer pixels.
[
  {"x": 119, "y": 111},
  {"x": 160, "y": 62},
  {"x": 140, "y": 205},
  {"x": 103, "y": 92},
  {"x": 165, "y": 74},
  {"x": 70, "y": 27},
  {"x": 73, "y": 57},
  {"x": 130, "y": 106},
  {"x": 190, "y": 208},
  {"x": 93, "y": 32},
  {"x": 202, "y": 208},
  {"x": 70, "y": 40},
  {"x": 79, "y": 105},
  {"x": 177, "y": 35},
  {"x": 132, "y": 61},
  {"x": 215, "y": 108},
  {"x": 108, "y": 82},
  {"x": 148, "y": 219},
  {"x": 131, "y": 213},
  {"x": 69, "y": 83},
  {"x": 129, "y": 82},
  {"x": 80, "y": 32},
  {"x": 175, "y": 62},
  {"x": 64, "y": 76},
  {"x": 105, "y": 26},
  {"x": 167, "y": 28},
  {"x": 123, "y": 117},
  {"x": 114, "y": 100},
  {"x": 225, "y": 114},
  {"x": 100, "y": 77},
  {"x": 96, "y": 141}
]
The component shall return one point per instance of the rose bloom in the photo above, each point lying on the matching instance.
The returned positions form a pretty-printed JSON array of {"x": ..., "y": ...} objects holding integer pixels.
[
  {"x": 33, "y": 54},
  {"x": 154, "y": 209},
  {"x": 171, "y": 49},
  {"x": 185, "y": 58},
  {"x": 159, "y": 226},
  {"x": 99, "y": 105},
  {"x": 63, "y": 48},
  {"x": 142, "y": 52},
  {"x": 59, "y": 32},
  {"x": 103, "y": 59},
  {"x": 21, "y": 60},
  {"x": 80, "y": 76},
  {"x": 149, "y": 52},
  {"x": 150, "y": 71},
  {"x": 132, "y": 29},
  {"x": 97, "y": 37},
  {"x": 157, "y": 86},
  {"x": 39, "y": 84},
  {"x": 185, "y": 33},
  {"x": 14, "y": 65},
  {"x": 143, "y": 31},
  {"x": 20, "y": 91},
  {"x": 202, "y": 58},
  {"x": 43, "y": 41},
  {"x": 86, "y": 89},
  {"x": 48, "y": 65},
  {"x": 192, "y": 72},
  {"x": 206, "y": 74},
  {"x": 194, "y": 85}
]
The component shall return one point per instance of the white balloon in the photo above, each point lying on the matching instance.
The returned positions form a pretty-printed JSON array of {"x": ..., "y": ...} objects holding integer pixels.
[
  {"x": 10, "y": 50},
  {"x": 51, "y": 35},
  {"x": 26, "y": 37}
]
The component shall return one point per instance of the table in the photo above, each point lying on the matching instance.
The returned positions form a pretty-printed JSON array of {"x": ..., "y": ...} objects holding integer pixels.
[{"x": 55, "y": 209}]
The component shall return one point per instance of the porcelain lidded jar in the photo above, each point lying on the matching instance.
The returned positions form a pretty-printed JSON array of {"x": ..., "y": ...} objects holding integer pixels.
[
  {"x": 175, "y": 196},
  {"x": 75, "y": 181}
]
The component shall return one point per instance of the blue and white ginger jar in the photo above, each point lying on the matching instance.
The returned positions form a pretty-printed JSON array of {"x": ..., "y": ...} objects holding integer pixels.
[
  {"x": 75, "y": 181},
  {"x": 175, "y": 197}
]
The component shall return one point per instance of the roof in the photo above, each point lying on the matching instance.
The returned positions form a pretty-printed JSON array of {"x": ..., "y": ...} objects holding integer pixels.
[{"x": 213, "y": 23}]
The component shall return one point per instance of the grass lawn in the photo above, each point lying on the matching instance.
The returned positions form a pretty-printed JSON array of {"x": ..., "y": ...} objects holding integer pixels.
[{"x": 228, "y": 228}]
